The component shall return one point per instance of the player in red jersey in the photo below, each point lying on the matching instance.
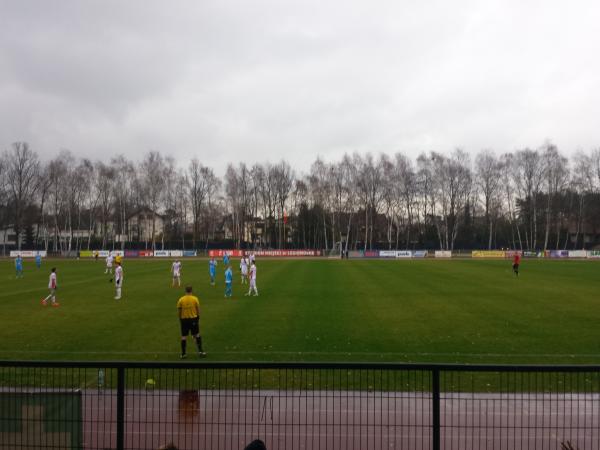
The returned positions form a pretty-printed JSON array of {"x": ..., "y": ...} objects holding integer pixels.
[{"x": 516, "y": 262}]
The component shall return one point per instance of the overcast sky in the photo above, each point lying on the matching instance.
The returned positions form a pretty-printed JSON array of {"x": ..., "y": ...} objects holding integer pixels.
[{"x": 229, "y": 81}]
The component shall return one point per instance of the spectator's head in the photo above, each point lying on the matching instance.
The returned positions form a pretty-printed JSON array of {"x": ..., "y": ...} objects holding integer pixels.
[
  {"x": 256, "y": 445},
  {"x": 168, "y": 447}
]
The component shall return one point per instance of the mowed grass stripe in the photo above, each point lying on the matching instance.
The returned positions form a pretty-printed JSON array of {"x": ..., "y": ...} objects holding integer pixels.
[{"x": 415, "y": 310}]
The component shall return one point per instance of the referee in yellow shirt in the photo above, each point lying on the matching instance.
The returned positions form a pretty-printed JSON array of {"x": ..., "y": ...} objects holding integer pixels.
[{"x": 188, "y": 308}]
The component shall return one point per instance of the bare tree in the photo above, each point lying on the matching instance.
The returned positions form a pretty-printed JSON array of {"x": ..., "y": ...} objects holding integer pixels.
[
  {"x": 555, "y": 177},
  {"x": 508, "y": 191},
  {"x": 406, "y": 190},
  {"x": 200, "y": 180},
  {"x": 282, "y": 183},
  {"x": 3, "y": 202},
  {"x": 321, "y": 188},
  {"x": 426, "y": 203},
  {"x": 584, "y": 185},
  {"x": 369, "y": 187},
  {"x": 527, "y": 175},
  {"x": 452, "y": 181},
  {"x": 488, "y": 178},
  {"x": 58, "y": 172},
  {"x": 153, "y": 168},
  {"x": 347, "y": 186},
  {"x": 22, "y": 169},
  {"x": 237, "y": 190},
  {"x": 124, "y": 172},
  {"x": 389, "y": 197},
  {"x": 103, "y": 186}
]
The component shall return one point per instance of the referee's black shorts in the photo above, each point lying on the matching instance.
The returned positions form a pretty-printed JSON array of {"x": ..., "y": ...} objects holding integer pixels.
[{"x": 189, "y": 326}]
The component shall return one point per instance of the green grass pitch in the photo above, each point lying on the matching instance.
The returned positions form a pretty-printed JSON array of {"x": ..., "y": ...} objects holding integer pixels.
[{"x": 466, "y": 311}]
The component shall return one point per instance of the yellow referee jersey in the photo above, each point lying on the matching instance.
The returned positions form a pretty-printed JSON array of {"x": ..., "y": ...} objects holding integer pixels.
[{"x": 188, "y": 306}]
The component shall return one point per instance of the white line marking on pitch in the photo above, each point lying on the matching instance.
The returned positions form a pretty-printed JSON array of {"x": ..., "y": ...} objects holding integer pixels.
[{"x": 491, "y": 355}]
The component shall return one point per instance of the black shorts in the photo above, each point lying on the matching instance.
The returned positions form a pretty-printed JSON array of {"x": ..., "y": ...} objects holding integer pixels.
[
  {"x": 189, "y": 326},
  {"x": 515, "y": 267}
]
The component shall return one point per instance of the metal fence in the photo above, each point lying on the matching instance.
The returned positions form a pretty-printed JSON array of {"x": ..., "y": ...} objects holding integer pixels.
[{"x": 89, "y": 405}]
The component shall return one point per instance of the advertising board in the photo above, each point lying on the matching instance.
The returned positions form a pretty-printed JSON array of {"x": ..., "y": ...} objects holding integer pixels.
[
  {"x": 371, "y": 254},
  {"x": 443, "y": 254},
  {"x": 387, "y": 253},
  {"x": 533, "y": 254},
  {"x": 577, "y": 254},
  {"x": 403, "y": 254},
  {"x": 593, "y": 254},
  {"x": 557, "y": 254},
  {"x": 420, "y": 254},
  {"x": 356, "y": 254},
  {"x": 286, "y": 253},
  {"x": 27, "y": 253},
  {"x": 221, "y": 253},
  {"x": 487, "y": 254}
]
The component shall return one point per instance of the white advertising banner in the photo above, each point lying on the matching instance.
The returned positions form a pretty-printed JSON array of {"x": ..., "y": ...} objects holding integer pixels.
[
  {"x": 117, "y": 253},
  {"x": 387, "y": 253},
  {"x": 577, "y": 254},
  {"x": 27, "y": 253},
  {"x": 161, "y": 253},
  {"x": 176, "y": 253},
  {"x": 443, "y": 254},
  {"x": 420, "y": 254},
  {"x": 403, "y": 254},
  {"x": 593, "y": 254}
]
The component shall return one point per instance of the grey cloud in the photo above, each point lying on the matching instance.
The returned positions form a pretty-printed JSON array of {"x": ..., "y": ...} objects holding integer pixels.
[{"x": 254, "y": 81}]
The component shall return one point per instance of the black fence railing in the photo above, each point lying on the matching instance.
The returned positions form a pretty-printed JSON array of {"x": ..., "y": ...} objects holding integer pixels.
[{"x": 119, "y": 405}]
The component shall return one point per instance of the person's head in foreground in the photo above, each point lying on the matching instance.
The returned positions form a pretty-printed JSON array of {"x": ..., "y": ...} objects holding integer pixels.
[{"x": 256, "y": 445}]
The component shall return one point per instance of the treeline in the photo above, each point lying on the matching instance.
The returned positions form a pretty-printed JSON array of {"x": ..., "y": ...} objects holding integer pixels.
[{"x": 528, "y": 199}]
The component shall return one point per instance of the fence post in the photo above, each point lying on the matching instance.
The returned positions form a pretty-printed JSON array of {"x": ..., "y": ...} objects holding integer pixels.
[
  {"x": 435, "y": 408},
  {"x": 120, "y": 408}
]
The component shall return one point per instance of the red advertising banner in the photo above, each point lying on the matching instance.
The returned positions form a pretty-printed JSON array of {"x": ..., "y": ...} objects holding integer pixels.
[
  {"x": 220, "y": 253},
  {"x": 146, "y": 253},
  {"x": 509, "y": 254},
  {"x": 283, "y": 253}
]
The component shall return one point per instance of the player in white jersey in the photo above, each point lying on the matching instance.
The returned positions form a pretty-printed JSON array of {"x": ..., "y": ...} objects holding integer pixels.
[
  {"x": 52, "y": 286},
  {"x": 253, "y": 281},
  {"x": 176, "y": 272},
  {"x": 244, "y": 270},
  {"x": 109, "y": 264},
  {"x": 118, "y": 281},
  {"x": 252, "y": 258}
]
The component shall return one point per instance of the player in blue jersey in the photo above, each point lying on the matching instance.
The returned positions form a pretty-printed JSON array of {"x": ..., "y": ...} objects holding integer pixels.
[
  {"x": 38, "y": 260},
  {"x": 228, "y": 281},
  {"x": 19, "y": 266},
  {"x": 212, "y": 270},
  {"x": 226, "y": 258}
]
